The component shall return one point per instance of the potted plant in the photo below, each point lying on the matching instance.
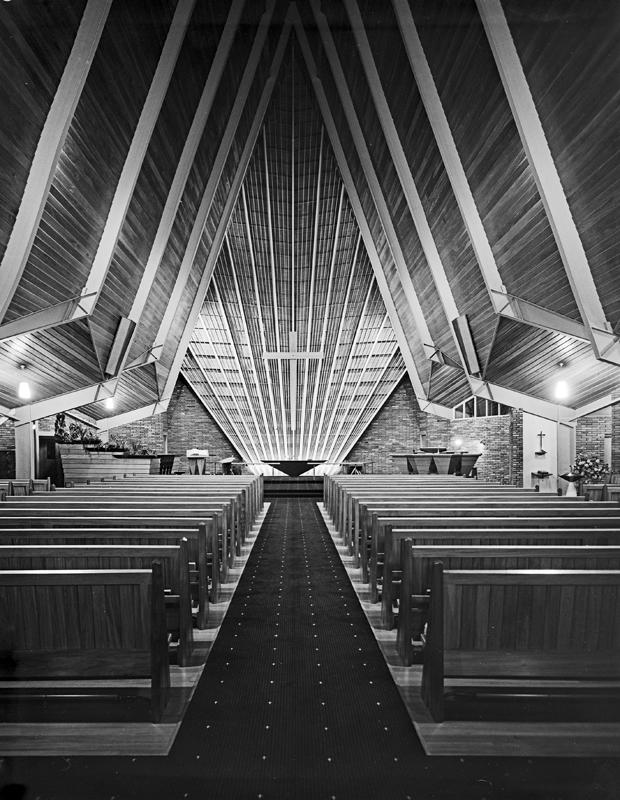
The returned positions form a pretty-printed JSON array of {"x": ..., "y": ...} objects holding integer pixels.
[{"x": 590, "y": 469}]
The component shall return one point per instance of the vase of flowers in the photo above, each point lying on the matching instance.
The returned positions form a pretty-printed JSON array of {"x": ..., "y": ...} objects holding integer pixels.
[{"x": 591, "y": 469}]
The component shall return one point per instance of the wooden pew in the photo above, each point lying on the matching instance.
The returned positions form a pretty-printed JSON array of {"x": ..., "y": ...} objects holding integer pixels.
[
  {"x": 199, "y": 538},
  {"x": 522, "y": 631},
  {"x": 175, "y": 573},
  {"x": 417, "y": 559},
  {"x": 372, "y": 552},
  {"x": 382, "y": 584},
  {"x": 120, "y": 630},
  {"x": 143, "y": 517}
]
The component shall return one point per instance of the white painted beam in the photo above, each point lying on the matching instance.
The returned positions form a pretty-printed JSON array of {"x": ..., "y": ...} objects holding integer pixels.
[
  {"x": 371, "y": 177},
  {"x": 604, "y": 342},
  {"x": 231, "y": 197},
  {"x": 186, "y": 159},
  {"x": 49, "y": 317},
  {"x": 360, "y": 217},
  {"x": 207, "y": 199},
  {"x": 135, "y": 415},
  {"x": 65, "y": 402},
  {"x": 137, "y": 149},
  {"x": 49, "y": 147},
  {"x": 515, "y": 399},
  {"x": 595, "y": 405}
]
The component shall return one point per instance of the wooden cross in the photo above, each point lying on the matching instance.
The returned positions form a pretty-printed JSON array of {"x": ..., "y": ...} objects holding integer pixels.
[
  {"x": 540, "y": 435},
  {"x": 293, "y": 355}
]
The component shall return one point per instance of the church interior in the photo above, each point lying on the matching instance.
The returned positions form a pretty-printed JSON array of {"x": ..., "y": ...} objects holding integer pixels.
[{"x": 309, "y": 399}]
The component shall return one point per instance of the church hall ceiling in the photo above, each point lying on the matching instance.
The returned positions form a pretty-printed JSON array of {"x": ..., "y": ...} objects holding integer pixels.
[{"x": 419, "y": 186}]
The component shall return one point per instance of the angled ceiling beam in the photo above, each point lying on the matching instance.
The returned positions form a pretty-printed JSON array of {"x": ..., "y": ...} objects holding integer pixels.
[
  {"x": 360, "y": 217},
  {"x": 503, "y": 303},
  {"x": 510, "y": 397},
  {"x": 372, "y": 180},
  {"x": 49, "y": 147},
  {"x": 65, "y": 402},
  {"x": 137, "y": 150},
  {"x": 405, "y": 176},
  {"x": 191, "y": 249},
  {"x": 596, "y": 405},
  {"x": 246, "y": 331},
  {"x": 238, "y": 354},
  {"x": 135, "y": 415},
  {"x": 604, "y": 342},
  {"x": 231, "y": 198},
  {"x": 186, "y": 159}
]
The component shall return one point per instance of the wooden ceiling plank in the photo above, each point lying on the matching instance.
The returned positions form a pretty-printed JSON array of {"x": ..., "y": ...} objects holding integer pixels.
[
  {"x": 360, "y": 217},
  {"x": 137, "y": 149},
  {"x": 604, "y": 342},
  {"x": 182, "y": 171},
  {"x": 49, "y": 147},
  {"x": 235, "y": 186},
  {"x": 371, "y": 176},
  {"x": 250, "y": 403},
  {"x": 246, "y": 331},
  {"x": 209, "y": 193}
]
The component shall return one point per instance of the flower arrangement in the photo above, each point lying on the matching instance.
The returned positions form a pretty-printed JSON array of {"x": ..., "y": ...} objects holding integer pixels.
[{"x": 591, "y": 468}]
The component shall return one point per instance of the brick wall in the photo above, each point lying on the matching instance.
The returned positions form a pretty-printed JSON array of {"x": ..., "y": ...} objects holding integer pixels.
[
  {"x": 590, "y": 434},
  {"x": 395, "y": 429},
  {"x": 7, "y": 435},
  {"x": 400, "y": 426},
  {"x": 187, "y": 423}
]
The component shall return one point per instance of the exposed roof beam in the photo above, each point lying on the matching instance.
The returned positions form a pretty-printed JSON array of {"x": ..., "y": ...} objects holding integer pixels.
[
  {"x": 186, "y": 159},
  {"x": 49, "y": 147},
  {"x": 372, "y": 180},
  {"x": 79, "y": 306},
  {"x": 191, "y": 249},
  {"x": 137, "y": 149},
  {"x": 66, "y": 402},
  {"x": 405, "y": 176},
  {"x": 231, "y": 196},
  {"x": 540, "y": 317},
  {"x": 360, "y": 217},
  {"x": 510, "y": 397},
  {"x": 451, "y": 159},
  {"x": 595, "y": 405},
  {"x": 135, "y": 415},
  {"x": 246, "y": 331},
  {"x": 604, "y": 342}
]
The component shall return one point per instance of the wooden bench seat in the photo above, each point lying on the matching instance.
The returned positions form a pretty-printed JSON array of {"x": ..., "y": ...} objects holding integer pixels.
[
  {"x": 86, "y": 624},
  {"x": 415, "y": 569},
  {"x": 175, "y": 573},
  {"x": 536, "y": 626},
  {"x": 199, "y": 543}
]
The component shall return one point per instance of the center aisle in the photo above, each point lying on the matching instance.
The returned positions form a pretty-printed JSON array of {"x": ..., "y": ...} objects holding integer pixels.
[{"x": 295, "y": 702}]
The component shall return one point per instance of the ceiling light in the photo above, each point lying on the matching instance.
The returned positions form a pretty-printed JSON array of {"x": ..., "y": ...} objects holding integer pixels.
[
  {"x": 23, "y": 388},
  {"x": 561, "y": 390}
]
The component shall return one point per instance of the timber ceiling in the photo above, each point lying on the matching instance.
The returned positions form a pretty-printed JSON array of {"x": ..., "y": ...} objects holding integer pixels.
[{"x": 429, "y": 186}]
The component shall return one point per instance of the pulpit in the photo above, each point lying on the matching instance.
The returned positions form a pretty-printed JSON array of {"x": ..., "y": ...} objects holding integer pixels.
[{"x": 197, "y": 460}]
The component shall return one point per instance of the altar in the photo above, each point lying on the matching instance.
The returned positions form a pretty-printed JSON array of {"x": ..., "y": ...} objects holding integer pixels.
[{"x": 435, "y": 461}]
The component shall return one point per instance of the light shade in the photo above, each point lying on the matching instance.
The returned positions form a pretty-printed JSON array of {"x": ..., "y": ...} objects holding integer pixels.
[
  {"x": 109, "y": 403},
  {"x": 561, "y": 390},
  {"x": 23, "y": 390}
]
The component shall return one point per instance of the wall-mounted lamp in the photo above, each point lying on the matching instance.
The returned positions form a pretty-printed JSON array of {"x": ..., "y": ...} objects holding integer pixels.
[
  {"x": 458, "y": 443},
  {"x": 24, "y": 391}
]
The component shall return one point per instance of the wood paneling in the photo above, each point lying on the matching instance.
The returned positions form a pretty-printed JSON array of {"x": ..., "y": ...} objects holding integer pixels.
[{"x": 569, "y": 51}]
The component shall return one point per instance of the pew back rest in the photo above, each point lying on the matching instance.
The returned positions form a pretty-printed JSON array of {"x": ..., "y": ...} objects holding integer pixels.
[{"x": 542, "y": 612}]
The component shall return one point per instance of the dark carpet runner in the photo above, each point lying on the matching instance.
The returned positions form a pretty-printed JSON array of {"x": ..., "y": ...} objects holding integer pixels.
[{"x": 297, "y": 702}]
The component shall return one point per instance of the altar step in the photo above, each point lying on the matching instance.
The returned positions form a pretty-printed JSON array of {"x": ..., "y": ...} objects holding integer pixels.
[{"x": 287, "y": 486}]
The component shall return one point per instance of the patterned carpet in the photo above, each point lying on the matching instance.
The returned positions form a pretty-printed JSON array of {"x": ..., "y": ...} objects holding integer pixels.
[{"x": 297, "y": 702}]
